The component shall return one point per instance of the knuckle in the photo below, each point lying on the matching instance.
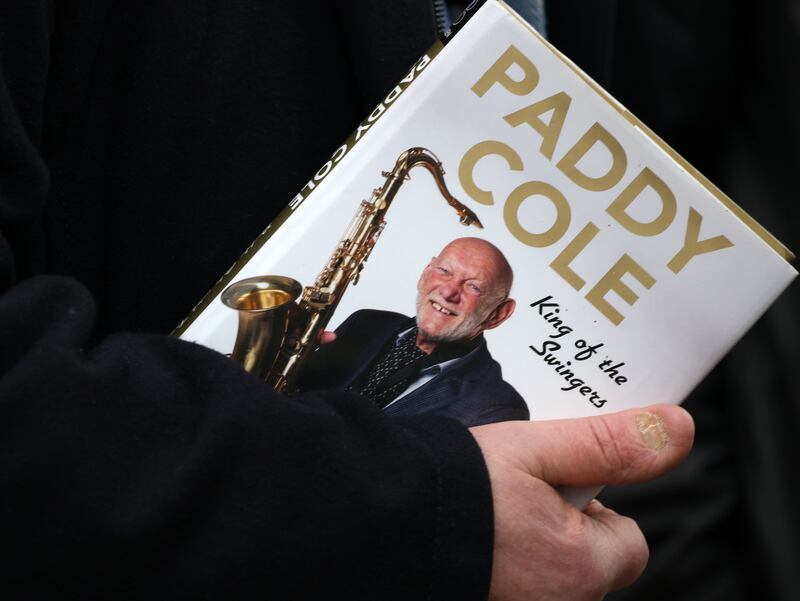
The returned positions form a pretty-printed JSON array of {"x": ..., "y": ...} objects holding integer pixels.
[
  {"x": 611, "y": 552},
  {"x": 591, "y": 577},
  {"x": 604, "y": 560},
  {"x": 632, "y": 556},
  {"x": 612, "y": 444},
  {"x": 577, "y": 535},
  {"x": 638, "y": 553}
]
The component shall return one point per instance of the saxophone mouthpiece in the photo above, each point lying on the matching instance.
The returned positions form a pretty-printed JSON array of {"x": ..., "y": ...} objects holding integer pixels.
[{"x": 470, "y": 218}]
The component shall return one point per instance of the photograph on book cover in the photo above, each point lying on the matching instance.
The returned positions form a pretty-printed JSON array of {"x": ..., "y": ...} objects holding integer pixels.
[{"x": 632, "y": 274}]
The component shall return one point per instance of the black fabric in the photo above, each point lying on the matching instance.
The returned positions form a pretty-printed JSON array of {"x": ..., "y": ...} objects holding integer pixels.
[
  {"x": 143, "y": 145},
  {"x": 585, "y": 32},
  {"x": 382, "y": 40}
]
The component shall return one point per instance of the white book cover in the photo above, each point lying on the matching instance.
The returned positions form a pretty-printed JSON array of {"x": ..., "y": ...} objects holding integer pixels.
[{"x": 632, "y": 274}]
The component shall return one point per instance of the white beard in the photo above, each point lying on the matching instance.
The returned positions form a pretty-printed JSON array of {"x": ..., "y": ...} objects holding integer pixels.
[{"x": 459, "y": 332}]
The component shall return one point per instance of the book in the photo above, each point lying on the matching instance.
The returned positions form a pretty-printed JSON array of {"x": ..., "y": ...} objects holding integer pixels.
[{"x": 633, "y": 274}]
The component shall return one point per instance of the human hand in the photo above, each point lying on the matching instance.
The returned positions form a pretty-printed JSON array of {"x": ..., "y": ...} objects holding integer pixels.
[
  {"x": 544, "y": 548},
  {"x": 326, "y": 337}
]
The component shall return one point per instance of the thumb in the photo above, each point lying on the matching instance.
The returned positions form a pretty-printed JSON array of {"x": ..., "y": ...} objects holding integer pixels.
[{"x": 615, "y": 448}]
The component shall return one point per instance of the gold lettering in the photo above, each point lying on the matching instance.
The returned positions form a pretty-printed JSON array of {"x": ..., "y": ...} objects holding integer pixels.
[
  {"x": 693, "y": 246},
  {"x": 497, "y": 73},
  {"x": 613, "y": 281},
  {"x": 669, "y": 207},
  {"x": 514, "y": 202},
  {"x": 559, "y": 104},
  {"x": 619, "y": 161},
  {"x": 475, "y": 154},
  {"x": 561, "y": 264}
]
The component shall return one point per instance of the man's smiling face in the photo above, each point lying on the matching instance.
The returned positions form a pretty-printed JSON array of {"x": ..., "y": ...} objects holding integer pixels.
[{"x": 460, "y": 291}]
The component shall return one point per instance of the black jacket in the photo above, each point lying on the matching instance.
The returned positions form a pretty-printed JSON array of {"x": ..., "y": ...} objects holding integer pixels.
[
  {"x": 472, "y": 390},
  {"x": 143, "y": 145}
]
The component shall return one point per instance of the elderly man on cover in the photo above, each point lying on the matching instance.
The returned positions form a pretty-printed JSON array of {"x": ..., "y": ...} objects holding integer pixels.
[{"x": 437, "y": 363}]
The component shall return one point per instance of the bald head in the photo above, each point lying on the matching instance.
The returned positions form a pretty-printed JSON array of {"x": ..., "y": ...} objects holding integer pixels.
[{"x": 495, "y": 260}]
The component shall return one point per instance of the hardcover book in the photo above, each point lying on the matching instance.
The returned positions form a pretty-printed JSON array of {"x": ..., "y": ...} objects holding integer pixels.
[{"x": 553, "y": 257}]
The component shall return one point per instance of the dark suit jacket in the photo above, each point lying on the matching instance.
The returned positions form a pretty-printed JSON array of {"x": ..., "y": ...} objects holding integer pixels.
[{"x": 470, "y": 390}]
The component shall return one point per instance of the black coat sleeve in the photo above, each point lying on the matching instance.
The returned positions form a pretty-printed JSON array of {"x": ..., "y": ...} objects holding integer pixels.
[{"x": 147, "y": 467}]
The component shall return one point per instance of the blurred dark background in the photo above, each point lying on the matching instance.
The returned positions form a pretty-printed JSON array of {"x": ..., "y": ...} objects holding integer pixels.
[{"x": 720, "y": 82}]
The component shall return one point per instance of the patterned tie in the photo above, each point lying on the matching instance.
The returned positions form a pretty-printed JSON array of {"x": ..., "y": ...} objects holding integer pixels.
[{"x": 395, "y": 369}]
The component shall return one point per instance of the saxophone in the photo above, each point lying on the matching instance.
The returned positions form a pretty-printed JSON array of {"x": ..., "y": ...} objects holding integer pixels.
[{"x": 277, "y": 335}]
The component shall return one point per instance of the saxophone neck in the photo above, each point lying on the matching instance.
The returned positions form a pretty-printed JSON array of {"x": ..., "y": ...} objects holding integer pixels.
[{"x": 425, "y": 158}]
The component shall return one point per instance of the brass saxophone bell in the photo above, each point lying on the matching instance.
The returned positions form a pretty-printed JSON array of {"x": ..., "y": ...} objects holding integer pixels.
[{"x": 267, "y": 308}]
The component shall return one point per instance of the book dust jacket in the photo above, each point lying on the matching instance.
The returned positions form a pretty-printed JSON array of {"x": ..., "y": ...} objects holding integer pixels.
[{"x": 499, "y": 239}]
